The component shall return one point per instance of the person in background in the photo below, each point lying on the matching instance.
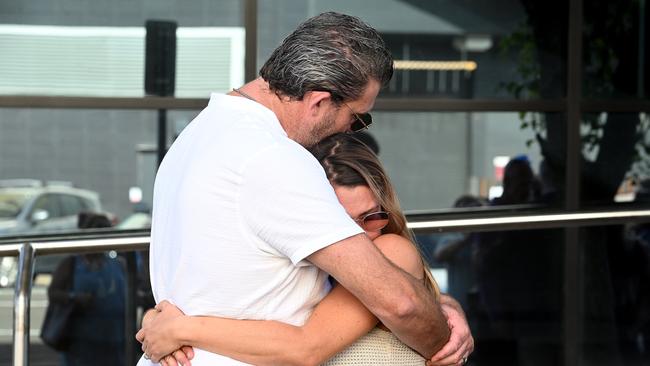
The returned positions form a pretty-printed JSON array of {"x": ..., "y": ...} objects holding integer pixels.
[
  {"x": 519, "y": 281},
  {"x": 456, "y": 252},
  {"x": 520, "y": 186},
  {"x": 95, "y": 283}
]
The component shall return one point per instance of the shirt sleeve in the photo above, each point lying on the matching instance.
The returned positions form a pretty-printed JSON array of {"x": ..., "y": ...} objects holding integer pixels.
[{"x": 288, "y": 203}]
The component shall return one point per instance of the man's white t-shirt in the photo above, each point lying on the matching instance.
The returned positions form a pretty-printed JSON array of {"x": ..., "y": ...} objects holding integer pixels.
[{"x": 238, "y": 206}]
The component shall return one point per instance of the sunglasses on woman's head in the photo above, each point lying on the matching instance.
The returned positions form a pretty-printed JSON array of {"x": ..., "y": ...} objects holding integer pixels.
[{"x": 373, "y": 221}]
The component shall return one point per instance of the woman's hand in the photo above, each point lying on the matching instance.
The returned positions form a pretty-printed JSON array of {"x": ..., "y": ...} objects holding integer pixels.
[{"x": 158, "y": 335}]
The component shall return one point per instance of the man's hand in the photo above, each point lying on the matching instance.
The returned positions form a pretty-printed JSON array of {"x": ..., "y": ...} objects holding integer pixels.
[
  {"x": 461, "y": 342},
  {"x": 157, "y": 336}
]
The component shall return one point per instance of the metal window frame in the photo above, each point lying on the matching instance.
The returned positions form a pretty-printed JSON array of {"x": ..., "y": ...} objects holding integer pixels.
[
  {"x": 573, "y": 278},
  {"x": 382, "y": 104}
]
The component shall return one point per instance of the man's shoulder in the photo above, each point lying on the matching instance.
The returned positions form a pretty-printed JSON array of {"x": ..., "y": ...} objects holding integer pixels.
[
  {"x": 284, "y": 157},
  {"x": 227, "y": 105}
]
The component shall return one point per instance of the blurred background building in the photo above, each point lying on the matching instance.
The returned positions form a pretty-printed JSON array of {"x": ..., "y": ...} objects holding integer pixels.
[{"x": 557, "y": 86}]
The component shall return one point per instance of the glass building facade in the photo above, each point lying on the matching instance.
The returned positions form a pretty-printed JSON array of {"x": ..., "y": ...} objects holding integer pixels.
[{"x": 497, "y": 108}]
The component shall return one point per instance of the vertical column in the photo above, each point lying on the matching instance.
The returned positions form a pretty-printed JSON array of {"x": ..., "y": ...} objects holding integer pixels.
[
  {"x": 22, "y": 295},
  {"x": 162, "y": 135},
  {"x": 573, "y": 272},
  {"x": 250, "y": 24}
]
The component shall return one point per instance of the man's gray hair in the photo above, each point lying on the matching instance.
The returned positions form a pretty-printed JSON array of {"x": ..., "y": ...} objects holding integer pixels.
[{"x": 330, "y": 52}]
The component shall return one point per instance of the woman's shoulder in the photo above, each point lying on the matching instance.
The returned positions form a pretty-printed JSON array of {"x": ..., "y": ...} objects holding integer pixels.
[
  {"x": 402, "y": 252},
  {"x": 394, "y": 243}
]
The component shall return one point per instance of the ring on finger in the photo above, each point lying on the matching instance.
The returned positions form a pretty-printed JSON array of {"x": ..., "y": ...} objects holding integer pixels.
[
  {"x": 464, "y": 360},
  {"x": 146, "y": 356}
]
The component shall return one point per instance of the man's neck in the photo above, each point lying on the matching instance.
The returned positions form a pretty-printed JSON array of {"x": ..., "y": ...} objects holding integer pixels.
[{"x": 258, "y": 90}]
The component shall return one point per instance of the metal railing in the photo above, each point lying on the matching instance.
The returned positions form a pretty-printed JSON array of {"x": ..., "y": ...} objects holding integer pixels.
[
  {"x": 27, "y": 250},
  {"x": 26, "y": 253},
  {"x": 530, "y": 221}
]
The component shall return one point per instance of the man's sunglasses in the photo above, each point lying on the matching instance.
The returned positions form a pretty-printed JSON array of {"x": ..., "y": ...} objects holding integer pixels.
[
  {"x": 373, "y": 221},
  {"x": 361, "y": 121}
]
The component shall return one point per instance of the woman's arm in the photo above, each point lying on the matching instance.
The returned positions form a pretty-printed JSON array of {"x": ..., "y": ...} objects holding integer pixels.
[{"x": 337, "y": 321}]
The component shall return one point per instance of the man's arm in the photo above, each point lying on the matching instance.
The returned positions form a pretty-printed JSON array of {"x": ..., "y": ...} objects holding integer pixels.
[{"x": 400, "y": 301}]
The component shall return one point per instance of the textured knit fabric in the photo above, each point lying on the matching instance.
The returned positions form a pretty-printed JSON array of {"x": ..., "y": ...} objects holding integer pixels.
[{"x": 378, "y": 347}]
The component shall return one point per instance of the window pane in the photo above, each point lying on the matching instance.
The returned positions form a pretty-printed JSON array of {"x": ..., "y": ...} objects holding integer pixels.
[
  {"x": 471, "y": 49},
  {"x": 98, "y": 49},
  {"x": 616, "y": 158},
  {"x": 616, "y": 294},
  {"x": 510, "y": 285},
  {"x": 435, "y": 158},
  {"x": 96, "y": 155},
  {"x": 615, "y": 36},
  {"x": 70, "y": 205},
  {"x": 48, "y": 203}
]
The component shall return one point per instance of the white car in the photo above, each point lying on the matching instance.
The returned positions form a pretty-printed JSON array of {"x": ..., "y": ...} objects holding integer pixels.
[{"x": 33, "y": 207}]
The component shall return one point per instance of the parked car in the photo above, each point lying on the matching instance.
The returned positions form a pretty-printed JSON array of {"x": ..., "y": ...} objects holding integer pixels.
[
  {"x": 29, "y": 206},
  {"x": 35, "y": 207},
  {"x": 137, "y": 220}
]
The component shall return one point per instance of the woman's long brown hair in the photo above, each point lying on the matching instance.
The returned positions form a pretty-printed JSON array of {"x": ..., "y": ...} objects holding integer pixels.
[{"x": 348, "y": 162}]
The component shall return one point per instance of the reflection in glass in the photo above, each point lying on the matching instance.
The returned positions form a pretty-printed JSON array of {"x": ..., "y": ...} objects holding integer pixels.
[
  {"x": 90, "y": 48},
  {"x": 615, "y": 37},
  {"x": 43, "y": 208},
  {"x": 469, "y": 49},
  {"x": 434, "y": 158},
  {"x": 57, "y": 163},
  {"x": 616, "y": 294},
  {"x": 616, "y": 157},
  {"x": 102, "y": 61},
  {"x": 510, "y": 285}
]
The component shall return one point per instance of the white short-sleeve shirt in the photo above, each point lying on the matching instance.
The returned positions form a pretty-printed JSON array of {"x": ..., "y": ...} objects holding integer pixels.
[{"x": 238, "y": 206}]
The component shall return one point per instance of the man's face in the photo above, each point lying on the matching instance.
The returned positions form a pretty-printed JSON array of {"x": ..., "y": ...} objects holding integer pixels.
[{"x": 340, "y": 118}]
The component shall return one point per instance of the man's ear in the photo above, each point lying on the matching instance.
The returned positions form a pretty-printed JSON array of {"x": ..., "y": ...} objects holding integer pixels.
[{"x": 316, "y": 100}]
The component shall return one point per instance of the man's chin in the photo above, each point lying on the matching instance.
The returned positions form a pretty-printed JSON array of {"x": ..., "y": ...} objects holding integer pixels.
[
  {"x": 318, "y": 132},
  {"x": 314, "y": 138}
]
